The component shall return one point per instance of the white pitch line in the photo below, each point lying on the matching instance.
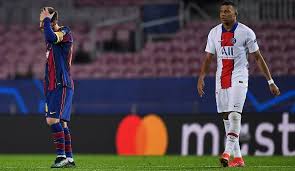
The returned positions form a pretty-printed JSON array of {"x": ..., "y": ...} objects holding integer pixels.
[
  {"x": 273, "y": 166},
  {"x": 42, "y": 167}
]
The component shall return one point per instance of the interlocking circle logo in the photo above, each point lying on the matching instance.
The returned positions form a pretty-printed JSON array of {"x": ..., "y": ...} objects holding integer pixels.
[{"x": 146, "y": 136}]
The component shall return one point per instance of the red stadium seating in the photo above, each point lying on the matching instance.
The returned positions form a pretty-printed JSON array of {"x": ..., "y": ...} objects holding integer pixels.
[{"x": 179, "y": 57}]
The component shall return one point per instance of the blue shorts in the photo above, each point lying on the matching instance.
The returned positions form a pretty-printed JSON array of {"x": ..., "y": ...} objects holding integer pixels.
[{"x": 58, "y": 103}]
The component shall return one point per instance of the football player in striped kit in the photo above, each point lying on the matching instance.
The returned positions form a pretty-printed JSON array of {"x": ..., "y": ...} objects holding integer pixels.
[{"x": 58, "y": 84}]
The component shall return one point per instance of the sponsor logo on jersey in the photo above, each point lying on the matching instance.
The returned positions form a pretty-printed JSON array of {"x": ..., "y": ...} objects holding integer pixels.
[{"x": 227, "y": 51}]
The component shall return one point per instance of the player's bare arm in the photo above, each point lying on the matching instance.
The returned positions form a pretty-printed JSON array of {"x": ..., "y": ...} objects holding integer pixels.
[
  {"x": 204, "y": 70},
  {"x": 264, "y": 69}
]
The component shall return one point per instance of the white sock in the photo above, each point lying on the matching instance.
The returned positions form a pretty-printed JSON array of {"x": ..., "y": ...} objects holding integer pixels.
[
  {"x": 70, "y": 159},
  {"x": 226, "y": 126},
  {"x": 237, "y": 149},
  {"x": 233, "y": 132}
]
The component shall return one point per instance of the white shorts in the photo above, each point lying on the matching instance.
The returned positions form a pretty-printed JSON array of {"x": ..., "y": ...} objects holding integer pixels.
[{"x": 231, "y": 99}]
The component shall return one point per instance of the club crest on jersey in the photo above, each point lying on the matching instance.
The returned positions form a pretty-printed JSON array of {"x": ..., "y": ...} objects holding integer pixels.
[{"x": 233, "y": 40}]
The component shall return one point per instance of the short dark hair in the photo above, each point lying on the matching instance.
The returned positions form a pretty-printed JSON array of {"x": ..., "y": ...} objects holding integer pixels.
[
  {"x": 230, "y": 3},
  {"x": 52, "y": 10}
]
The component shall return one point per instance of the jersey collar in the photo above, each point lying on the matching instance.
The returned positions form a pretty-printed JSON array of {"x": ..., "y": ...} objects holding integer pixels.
[{"x": 232, "y": 29}]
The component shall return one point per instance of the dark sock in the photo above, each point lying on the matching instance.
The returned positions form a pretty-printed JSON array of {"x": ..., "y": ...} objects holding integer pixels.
[
  {"x": 68, "y": 143},
  {"x": 58, "y": 139}
]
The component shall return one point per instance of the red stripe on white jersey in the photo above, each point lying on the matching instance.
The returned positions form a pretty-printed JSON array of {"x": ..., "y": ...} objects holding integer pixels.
[
  {"x": 226, "y": 39},
  {"x": 227, "y": 64},
  {"x": 226, "y": 73}
]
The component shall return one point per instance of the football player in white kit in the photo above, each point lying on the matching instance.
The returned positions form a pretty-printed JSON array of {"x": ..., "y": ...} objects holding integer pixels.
[{"x": 232, "y": 41}]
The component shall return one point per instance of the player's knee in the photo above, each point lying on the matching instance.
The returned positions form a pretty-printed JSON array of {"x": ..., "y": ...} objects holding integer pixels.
[
  {"x": 64, "y": 124},
  {"x": 51, "y": 121},
  {"x": 234, "y": 116}
]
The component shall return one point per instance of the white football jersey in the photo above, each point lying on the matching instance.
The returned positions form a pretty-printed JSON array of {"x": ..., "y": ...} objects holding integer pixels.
[{"x": 231, "y": 48}]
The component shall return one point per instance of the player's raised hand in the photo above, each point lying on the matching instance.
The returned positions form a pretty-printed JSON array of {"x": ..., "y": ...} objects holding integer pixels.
[
  {"x": 201, "y": 85},
  {"x": 45, "y": 13},
  {"x": 274, "y": 89}
]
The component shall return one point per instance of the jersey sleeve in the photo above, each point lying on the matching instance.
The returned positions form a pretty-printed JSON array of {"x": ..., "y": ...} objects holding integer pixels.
[
  {"x": 48, "y": 32},
  {"x": 210, "y": 47},
  {"x": 251, "y": 43}
]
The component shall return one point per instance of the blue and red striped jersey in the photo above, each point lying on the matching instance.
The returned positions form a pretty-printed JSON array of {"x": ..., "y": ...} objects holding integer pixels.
[{"x": 59, "y": 50}]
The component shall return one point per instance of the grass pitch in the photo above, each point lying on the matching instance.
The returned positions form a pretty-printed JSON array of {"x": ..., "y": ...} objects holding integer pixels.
[{"x": 111, "y": 162}]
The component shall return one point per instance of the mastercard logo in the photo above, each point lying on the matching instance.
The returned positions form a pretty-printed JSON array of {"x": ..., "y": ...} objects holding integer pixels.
[{"x": 141, "y": 136}]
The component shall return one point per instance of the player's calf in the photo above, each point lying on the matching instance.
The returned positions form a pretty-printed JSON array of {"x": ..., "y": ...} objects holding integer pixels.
[{"x": 68, "y": 145}]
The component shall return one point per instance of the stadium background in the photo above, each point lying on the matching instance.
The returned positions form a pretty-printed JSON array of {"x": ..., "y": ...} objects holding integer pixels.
[{"x": 136, "y": 64}]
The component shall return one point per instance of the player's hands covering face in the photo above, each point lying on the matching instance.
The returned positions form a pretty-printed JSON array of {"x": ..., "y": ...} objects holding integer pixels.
[{"x": 45, "y": 13}]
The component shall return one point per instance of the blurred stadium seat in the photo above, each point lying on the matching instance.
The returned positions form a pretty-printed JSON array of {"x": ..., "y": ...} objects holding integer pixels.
[
  {"x": 184, "y": 49},
  {"x": 156, "y": 59}
]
